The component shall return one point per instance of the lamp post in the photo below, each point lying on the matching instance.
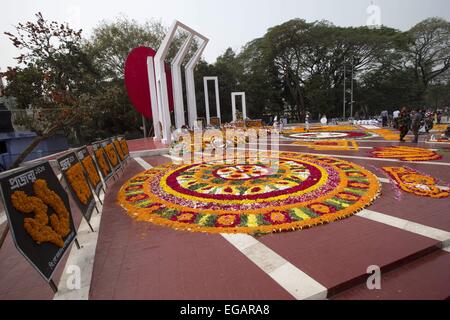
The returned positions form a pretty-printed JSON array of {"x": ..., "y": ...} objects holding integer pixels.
[
  {"x": 351, "y": 99},
  {"x": 343, "y": 104}
]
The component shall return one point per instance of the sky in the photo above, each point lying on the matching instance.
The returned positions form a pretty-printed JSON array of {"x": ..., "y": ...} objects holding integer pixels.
[{"x": 227, "y": 23}]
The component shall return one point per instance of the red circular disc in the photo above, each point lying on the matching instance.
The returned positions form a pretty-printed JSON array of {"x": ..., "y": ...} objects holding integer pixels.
[{"x": 136, "y": 80}]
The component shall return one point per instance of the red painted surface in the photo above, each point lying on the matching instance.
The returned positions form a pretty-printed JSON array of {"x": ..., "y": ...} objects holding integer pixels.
[
  {"x": 144, "y": 261},
  {"x": 136, "y": 80},
  {"x": 426, "y": 278},
  {"x": 145, "y": 144}
]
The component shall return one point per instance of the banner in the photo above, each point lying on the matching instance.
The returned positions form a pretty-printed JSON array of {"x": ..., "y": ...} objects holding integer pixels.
[
  {"x": 111, "y": 154},
  {"x": 39, "y": 216},
  {"x": 118, "y": 148},
  {"x": 90, "y": 168},
  {"x": 78, "y": 185},
  {"x": 102, "y": 161},
  {"x": 124, "y": 145}
]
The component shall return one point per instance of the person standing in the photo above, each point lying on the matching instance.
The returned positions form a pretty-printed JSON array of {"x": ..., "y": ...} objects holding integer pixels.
[
  {"x": 404, "y": 122},
  {"x": 307, "y": 121},
  {"x": 416, "y": 118},
  {"x": 384, "y": 118},
  {"x": 395, "y": 116}
]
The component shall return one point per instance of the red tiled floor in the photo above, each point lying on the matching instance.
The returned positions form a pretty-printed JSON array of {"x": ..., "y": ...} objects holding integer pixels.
[
  {"x": 425, "y": 278},
  {"x": 341, "y": 251},
  {"x": 144, "y": 144},
  {"x": 144, "y": 261},
  {"x": 401, "y": 204}
]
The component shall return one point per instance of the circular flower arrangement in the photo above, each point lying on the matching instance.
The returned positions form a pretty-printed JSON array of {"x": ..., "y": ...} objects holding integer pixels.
[
  {"x": 405, "y": 153},
  {"x": 287, "y": 192},
  {"x": 328, "y": 135}
]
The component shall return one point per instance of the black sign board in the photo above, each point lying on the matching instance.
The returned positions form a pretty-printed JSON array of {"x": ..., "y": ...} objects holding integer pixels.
[
  {"x": 111, "y": 154},
  {"x": 124, "y": 146},
  {"x": 39, "y": 216},
  {"x": 76, "y": 181},
  {"x": 118, "y": 148},
  {"x": 90, "y": 168},
  {"x": 102, "y": 161}
]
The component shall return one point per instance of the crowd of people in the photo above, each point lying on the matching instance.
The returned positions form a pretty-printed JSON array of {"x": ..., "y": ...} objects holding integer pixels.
[{"x": 417, "y": 120}]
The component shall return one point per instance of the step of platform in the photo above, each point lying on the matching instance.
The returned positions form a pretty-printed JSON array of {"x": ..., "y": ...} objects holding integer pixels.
[{"x": 425, "y": 278}]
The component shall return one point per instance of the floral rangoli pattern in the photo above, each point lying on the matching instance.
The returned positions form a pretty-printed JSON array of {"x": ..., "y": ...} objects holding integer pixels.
[{"x": 250, "y": 195}]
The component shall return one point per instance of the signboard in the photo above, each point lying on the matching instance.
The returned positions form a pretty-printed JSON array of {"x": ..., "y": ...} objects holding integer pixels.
[
  {"x": 118, "y": 148},
  {"x": 111, "y": 154},
  {"x": 90, "y": 169},
  {"x": 124, "y": 145},
  {"x": 78, "y": 185},
  {"x": 102, "y": 161},
  {"x": 39, "y": 216}
]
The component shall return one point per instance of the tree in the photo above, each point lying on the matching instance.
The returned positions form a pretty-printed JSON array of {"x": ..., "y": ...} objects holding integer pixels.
[
  {"x": 54, "y": 80},
  {"x": 428, "y": 52}
]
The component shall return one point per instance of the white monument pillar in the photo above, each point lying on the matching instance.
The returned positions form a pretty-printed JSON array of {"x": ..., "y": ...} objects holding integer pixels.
[
  {"x": 205, "y": 86},
  {"x": 161, "y": 83},
  {"x": 153, "y": 97},
  {"x": 233, "y": 104},
  {"x": 190, "y": 84},
  {"x": 178, "y": 84}
]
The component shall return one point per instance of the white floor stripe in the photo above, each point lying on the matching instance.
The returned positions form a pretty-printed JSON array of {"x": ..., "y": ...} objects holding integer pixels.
[
  {"x": 440, "y": 235},
  {"x": 293, "y": 280},
  {"x": 144, "y": 164},
  {"x": 2, "y": 217}
]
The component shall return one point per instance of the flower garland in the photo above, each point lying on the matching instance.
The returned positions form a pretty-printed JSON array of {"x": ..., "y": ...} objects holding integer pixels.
[
  {"x": 440, "y": 127},
  {"x": 111, "y": 154},
  {"x": 284, "y": 191},
  {"x": 414, "y": 182},
  {"x": 345, "y": 145},
  {"x": 328, "y": 135},
  {"x": 387, "y": 134},
  {"x": 324, "y": 128},
  {"x": 405, "y": 153},
  {"x": 38, "y": 227},
  {"x": 100, "y": 156},
  {"x": 78, "y": 182},
  {"x": 439, "y": 140},
  {"x": 93, "y": 175}
]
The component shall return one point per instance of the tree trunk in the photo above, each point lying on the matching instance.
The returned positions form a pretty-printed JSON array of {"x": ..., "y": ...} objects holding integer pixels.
[{"x": 28, "y": 150}]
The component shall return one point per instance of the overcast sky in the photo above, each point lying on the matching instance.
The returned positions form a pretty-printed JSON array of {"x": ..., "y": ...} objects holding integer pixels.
[{"x": 227, "y": 23}]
